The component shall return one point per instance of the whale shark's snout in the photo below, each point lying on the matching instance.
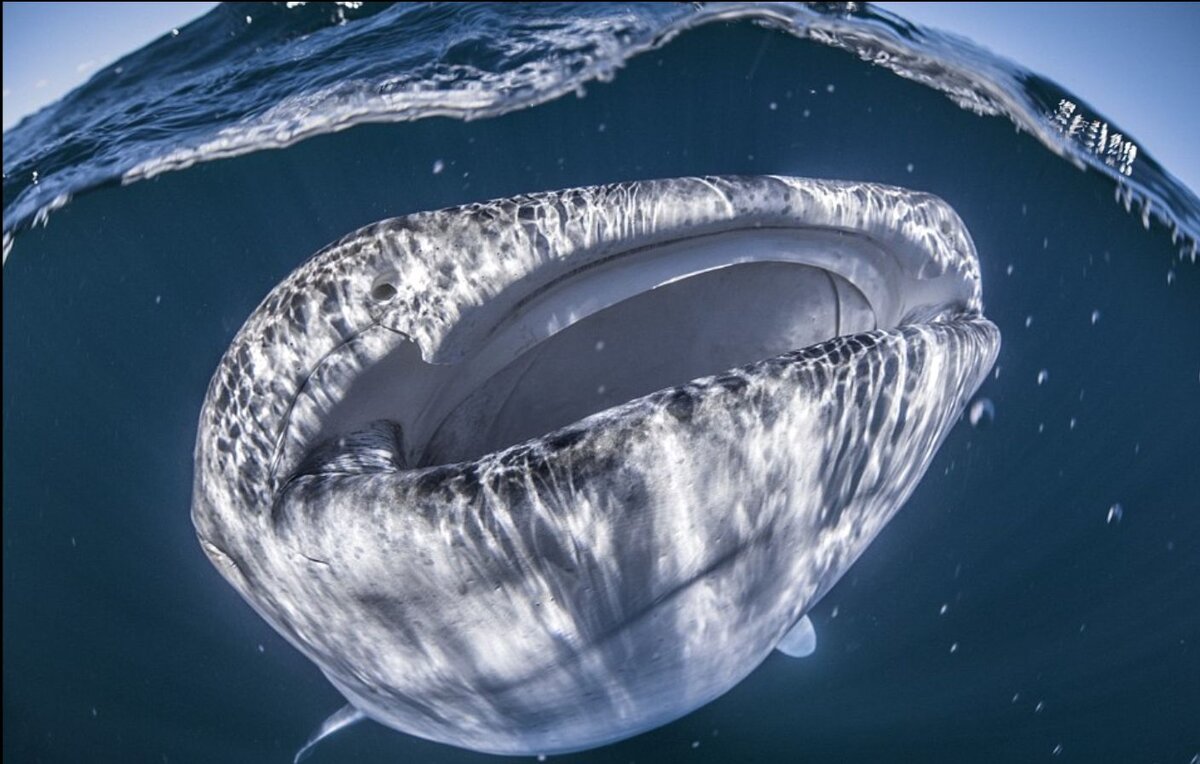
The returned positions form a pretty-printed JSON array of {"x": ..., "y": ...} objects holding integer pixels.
[{"x": 538, "y": 474}]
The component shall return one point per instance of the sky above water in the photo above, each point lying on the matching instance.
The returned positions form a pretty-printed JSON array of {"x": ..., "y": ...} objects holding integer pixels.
[
  {"x": 52, "y": 48},
  {"x": 1136, "y": 63}
]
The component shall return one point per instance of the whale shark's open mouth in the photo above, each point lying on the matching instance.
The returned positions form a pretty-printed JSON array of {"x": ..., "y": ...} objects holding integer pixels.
[
  {"x": 636, "y": 322},
  {"x": 537, "y": 474},
  {"x": 635, "y": 313}
]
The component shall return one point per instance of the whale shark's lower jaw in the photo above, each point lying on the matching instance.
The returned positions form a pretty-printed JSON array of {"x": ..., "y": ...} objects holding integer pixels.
[{"x": 540, "y": 474}]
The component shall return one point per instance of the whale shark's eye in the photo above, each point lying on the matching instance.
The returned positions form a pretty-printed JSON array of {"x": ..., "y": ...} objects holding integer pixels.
[{"x": 384, "y": 289}]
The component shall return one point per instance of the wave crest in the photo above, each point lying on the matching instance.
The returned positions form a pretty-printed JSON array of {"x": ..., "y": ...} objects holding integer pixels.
[{"x": 267, "y": 75}]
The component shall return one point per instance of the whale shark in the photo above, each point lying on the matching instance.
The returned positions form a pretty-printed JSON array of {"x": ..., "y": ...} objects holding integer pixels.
[{"x": 534, "y": 475}]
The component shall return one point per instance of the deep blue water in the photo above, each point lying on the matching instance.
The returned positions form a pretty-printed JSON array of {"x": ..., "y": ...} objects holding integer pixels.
[{"x": 1076, "y": 638}]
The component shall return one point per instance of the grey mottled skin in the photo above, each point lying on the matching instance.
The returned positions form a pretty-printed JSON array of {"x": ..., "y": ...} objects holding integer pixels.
[{"x": 607, "y": 577}]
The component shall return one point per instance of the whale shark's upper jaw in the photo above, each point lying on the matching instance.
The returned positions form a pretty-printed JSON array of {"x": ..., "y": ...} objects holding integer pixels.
[{"x": 635, "y": 429}]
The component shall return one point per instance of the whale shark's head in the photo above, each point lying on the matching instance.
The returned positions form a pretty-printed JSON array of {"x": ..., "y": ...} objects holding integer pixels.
[{"x": 540, "y": 473}]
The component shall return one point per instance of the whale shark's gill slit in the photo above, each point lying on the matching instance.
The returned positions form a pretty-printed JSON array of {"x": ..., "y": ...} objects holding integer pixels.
[
  {"x": 281, "y": 434},
  {"x": 525, "y": 364},
  {"x": 836, "y": 305}
]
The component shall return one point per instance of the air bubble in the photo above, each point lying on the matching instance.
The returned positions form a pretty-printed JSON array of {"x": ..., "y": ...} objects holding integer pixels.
[
  {"x": 1115, "y": 513},
  {"x": 981, "y": 413}
]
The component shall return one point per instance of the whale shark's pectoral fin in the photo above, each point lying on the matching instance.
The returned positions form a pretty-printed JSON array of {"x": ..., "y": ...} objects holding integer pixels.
[
  {"x": 340, "y": 719},
  {"x": 800, "y": 641}
]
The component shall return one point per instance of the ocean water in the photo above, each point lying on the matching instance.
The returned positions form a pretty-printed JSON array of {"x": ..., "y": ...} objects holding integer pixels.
[{"x": 1038, "y": 598}]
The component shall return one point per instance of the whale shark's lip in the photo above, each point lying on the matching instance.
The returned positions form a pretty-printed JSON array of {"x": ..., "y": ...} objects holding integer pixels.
[{"x": 589, "y": 421}]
